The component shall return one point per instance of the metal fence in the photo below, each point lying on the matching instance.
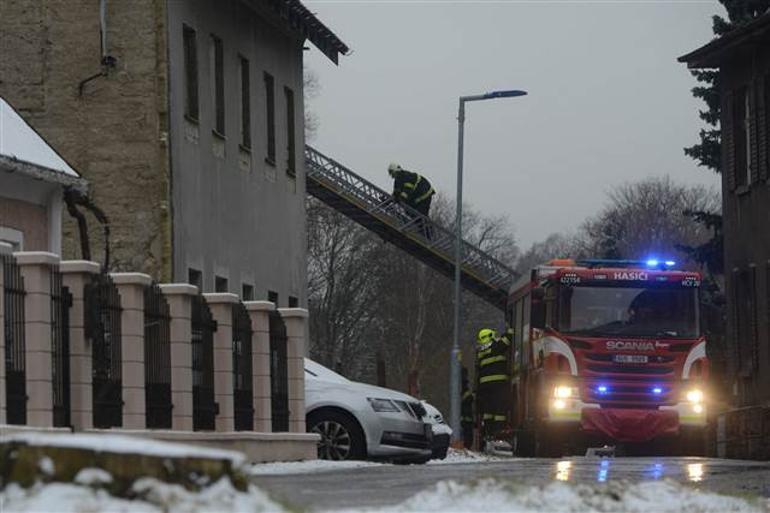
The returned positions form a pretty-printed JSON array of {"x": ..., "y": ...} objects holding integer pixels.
[
  {"x": 243, "y": 396},
  {"x": 15, "y": 365},
  {"x": 103, "y": 329},
  {"x": 279, "y": 375},
  {"x": 205, "y": 409},
  {"x": 61, "y": 302},
  {"x": 157, "y": 359}
]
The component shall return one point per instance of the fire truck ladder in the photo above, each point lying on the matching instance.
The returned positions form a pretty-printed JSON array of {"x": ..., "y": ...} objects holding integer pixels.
[{"x": 374, "y": 209}]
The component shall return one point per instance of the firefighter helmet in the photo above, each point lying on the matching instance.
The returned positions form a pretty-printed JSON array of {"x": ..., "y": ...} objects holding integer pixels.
[
  {"x": 393, "y": 167},
  {"x": 486, "y": 336}
]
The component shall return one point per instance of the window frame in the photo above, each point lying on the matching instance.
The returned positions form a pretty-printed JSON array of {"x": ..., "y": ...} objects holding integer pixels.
[
  {"x": 217, "y": 79},
  {"x": 291, "y": 143},
  {"x": 244, "y": 68},
  {"x": 191, "y": 73},
  {"x": 269, "y": 82}
]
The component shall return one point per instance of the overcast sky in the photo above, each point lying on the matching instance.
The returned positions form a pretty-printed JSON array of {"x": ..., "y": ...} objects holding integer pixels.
[{"x": 607, "y": 104}]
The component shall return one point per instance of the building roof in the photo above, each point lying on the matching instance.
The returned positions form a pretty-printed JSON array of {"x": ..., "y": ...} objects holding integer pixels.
[
  {"x": 20, "y": 141},
  {"x": 24, "y": 151},
  {"x": 712, "y": 54},
  {"x": 306, "y": 24}
]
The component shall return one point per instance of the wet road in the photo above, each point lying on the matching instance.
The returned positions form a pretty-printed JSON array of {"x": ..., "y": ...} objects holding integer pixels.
[{"x": 392, "y": 484}]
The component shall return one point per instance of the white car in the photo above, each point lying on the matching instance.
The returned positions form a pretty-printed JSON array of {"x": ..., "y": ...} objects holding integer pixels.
[
  {"x": 442, "y": 433},
  {"x": 360, "y": 421}
]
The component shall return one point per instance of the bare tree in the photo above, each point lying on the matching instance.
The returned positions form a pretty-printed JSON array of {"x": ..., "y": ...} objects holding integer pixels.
[
  {"x": 311, "y": 89},
  {"x": 648, "y": 218}
]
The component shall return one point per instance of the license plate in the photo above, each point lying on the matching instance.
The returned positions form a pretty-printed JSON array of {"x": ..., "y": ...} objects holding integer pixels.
[{"x": 630, "y": 358}]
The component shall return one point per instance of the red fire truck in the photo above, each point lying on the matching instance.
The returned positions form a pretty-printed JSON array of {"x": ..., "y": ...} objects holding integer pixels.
[{"x": 606, "y": 352}]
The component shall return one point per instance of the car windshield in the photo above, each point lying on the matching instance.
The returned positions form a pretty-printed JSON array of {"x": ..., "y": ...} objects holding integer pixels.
[{"x": 669, "y": 312}]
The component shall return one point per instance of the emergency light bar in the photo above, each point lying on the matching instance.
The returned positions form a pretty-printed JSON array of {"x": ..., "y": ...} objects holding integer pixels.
[{"x": 652, "y": 263}]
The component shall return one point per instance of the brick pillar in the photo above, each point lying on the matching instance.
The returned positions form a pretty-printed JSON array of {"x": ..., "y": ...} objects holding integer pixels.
[
  {"x": 36, "y": 270},
  {"x": 75, "y": 275},
  {"x": 5, "y": 250},
  {"x": 221, "y": 305},
  {"x": 131, "y": 289},
  {"x": 179, "y": 297},
  {"x": 296, "y": 331},
  {"x": 259, "y": 311}
]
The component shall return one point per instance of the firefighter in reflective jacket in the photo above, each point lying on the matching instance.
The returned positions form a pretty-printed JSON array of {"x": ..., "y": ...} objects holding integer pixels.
[
  {"x": 410, "y": 188},
  {"x": 492, "y": 363}
]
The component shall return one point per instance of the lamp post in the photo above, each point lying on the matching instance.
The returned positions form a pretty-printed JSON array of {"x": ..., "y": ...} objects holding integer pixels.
[{"x": 454, "y": 378}]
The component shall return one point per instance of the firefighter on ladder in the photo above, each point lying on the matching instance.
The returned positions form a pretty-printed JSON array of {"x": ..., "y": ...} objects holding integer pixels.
[
  {"x": 413, "y": 190},
  {"x": 492, "y": 361}
]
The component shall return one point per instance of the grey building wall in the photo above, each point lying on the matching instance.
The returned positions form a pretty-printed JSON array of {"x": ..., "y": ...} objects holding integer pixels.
[{"x": 234, "y": 214}]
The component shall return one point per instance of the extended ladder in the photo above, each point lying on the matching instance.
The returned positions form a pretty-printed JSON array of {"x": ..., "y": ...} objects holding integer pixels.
[{"x": 375, "y": 210}]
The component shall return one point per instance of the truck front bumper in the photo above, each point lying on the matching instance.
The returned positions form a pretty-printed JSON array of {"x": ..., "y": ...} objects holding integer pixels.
[{"x": 628, "y": 424}]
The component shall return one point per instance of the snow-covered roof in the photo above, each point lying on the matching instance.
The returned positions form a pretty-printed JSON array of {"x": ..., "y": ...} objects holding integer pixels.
[{"x": 19, "y": 141}]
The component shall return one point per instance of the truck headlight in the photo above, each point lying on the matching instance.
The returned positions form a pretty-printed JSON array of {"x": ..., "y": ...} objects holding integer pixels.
[
  {"x": 695, "y": 396},
  {"x": 383, "y": 405},
  {"x": 562, "y": 392}
]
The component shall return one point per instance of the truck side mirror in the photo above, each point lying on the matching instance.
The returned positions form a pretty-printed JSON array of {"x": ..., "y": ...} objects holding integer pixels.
[{"x": 538, "y": 314}]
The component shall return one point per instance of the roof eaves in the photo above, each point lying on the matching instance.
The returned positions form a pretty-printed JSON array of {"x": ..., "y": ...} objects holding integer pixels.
[
  {"x": 313, "y": 29},
  {"x": 46, "y": 174},
  {"x": 709, "y": 55}
]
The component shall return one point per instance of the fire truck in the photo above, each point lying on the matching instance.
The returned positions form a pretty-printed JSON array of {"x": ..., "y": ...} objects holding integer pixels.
[{"x": 606, "y": 352}]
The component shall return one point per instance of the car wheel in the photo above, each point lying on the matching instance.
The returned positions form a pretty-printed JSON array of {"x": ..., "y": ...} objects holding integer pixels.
[{"x": 341, "y": 436}]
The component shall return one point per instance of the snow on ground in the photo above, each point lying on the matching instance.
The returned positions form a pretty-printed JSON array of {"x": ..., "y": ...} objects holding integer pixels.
[
  {"x": 153, "y": 496},
  {"x": 306, "y": 467},
  {"x": 490, "y": 495},
  {"x": 122, "y": 444},
  {"x": 465, "y": 456}
]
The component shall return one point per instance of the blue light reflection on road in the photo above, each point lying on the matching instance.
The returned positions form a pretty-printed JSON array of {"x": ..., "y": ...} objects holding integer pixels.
[{"x": 604, "y": 470}]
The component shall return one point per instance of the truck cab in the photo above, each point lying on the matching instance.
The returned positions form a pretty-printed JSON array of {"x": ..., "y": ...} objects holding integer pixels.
[{"x": 607, "y": 352}]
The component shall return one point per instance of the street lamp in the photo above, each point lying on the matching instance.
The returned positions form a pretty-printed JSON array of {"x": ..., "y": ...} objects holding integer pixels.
[{"x": 454, "y": 378}]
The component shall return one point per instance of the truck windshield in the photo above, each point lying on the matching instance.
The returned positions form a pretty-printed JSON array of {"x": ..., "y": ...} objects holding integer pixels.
[{"x": 669, "y": 312}]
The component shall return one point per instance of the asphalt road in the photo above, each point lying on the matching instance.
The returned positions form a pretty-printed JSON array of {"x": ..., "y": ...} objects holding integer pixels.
[{"x": 392, "y": 484}]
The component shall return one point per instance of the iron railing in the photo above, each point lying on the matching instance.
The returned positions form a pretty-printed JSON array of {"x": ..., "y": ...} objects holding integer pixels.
[
  {"x": 61, "y": 302},
  {"x": 242, "y": 369},
  {"x": 205, "y": 408},
  {"x": 15, "y": 362},
  {"x": 279, "y": 375},
  {"x": 484, "y": 274},
  {"x": 103, "y": 329},
  {"x": 157, "y": 359}
]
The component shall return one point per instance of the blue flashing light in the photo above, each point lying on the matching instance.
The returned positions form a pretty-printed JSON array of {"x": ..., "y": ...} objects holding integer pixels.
[
  {"x": 657, "y": 390},
  {"x": 602, "y": 389},
  {"x": 652, "y": 262},
  {"x": 670, "y": 263}
]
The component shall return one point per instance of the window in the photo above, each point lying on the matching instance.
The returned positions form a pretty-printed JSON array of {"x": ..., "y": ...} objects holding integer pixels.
[
  {"x": 216, "y": 57},
  {"x": 190, "y": 73},
  {"x": 745, "y": 312},
  {"x": 220, "y": 284},
  {"x": 290, "y": 143},
  {"x": 270, "y": 99},
  {"x": 12, "y": 237},
  {"x": 767, "y": 123},
  {"x": 741, "y": 124},
  {"x": 272, "y": 297},
  {"x": 293, "y": 302},
  {"x": 195, "y": 277},
  {"x": 245, "y": 104},
  {"x": 247, "y": 292}
]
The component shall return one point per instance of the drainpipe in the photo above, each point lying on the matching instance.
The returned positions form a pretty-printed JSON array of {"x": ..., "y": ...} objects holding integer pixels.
[{"x": 107, "y": 61}]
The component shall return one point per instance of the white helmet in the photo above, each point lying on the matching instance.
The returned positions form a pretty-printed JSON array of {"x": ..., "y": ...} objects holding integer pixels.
[{"x": 393, "y": 167}]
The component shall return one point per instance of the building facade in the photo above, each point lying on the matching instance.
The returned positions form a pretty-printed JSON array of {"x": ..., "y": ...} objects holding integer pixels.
[
  {"x": 743, "y": 59},
  {"x": 186, "y": 117}
]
